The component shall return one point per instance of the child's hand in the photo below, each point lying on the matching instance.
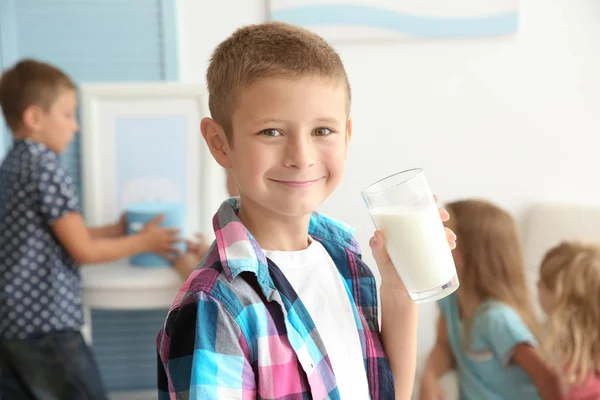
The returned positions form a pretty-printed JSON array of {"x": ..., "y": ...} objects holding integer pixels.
[
  {"x": 160, "y": 240},
  {"x": 387, "y": 271},
  {"x": 200, "y": 248},
  {"x": 186, "y": 263}
]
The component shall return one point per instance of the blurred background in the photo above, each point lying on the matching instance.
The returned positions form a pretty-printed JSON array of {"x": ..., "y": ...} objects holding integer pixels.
[{"x": 513, "y": 118}]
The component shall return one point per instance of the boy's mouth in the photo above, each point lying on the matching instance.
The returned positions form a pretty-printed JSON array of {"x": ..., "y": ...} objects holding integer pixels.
[{"x": 297, "y": 183}]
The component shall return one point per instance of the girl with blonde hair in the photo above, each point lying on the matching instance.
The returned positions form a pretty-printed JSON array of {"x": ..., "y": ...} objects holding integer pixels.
[
  {"x": 569, "y": 293},
  {"x": 487, "y": 330}
]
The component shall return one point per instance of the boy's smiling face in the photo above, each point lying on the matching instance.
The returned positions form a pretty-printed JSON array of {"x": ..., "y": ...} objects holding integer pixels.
[{"x": 289, "y": 143}]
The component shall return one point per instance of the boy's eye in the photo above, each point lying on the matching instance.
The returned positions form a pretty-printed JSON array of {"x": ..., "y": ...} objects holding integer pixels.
[
  {"x": 322, "y": 131},
  {"x": 270, "y": 132}
]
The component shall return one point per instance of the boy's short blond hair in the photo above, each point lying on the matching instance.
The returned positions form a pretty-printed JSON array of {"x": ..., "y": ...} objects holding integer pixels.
[
  {"x": 271, "y": 49},
  {"x": 27, "y": 83}
]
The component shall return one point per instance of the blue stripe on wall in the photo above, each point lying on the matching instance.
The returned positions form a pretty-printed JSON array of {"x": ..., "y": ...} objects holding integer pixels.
[{"x": 380, "y": 18}]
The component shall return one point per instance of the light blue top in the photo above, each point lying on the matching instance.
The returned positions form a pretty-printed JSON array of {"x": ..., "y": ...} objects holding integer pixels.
[{"x": 484, "y": 363}]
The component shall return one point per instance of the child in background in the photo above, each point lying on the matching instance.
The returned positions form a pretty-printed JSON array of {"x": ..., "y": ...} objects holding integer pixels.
[
  {"x": 487, "y": 329},
  {"x": 43, "y": 238},
  {"x": 569, "y": 292}
]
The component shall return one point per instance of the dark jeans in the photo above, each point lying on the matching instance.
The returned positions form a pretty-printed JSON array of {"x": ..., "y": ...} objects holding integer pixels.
[{"x": 55, "y": 366}]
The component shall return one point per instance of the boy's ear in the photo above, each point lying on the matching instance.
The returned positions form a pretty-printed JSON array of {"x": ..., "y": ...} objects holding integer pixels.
[
  {"x": 32, "y": 118},
  {"x": 216, "y": 140},
  {"x": 348, "y": 134}
]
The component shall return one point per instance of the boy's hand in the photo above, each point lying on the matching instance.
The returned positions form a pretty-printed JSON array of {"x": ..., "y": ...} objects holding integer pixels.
[
  {"x": 160, "y": 240},
  {"x": 388, "y": 272}
]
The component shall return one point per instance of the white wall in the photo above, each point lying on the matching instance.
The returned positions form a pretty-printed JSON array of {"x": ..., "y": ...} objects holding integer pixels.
[{"x": 515, "y": 120}]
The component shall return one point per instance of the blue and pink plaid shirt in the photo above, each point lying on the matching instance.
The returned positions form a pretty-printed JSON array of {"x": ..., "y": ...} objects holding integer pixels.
[{"x": 238, "y": 330}]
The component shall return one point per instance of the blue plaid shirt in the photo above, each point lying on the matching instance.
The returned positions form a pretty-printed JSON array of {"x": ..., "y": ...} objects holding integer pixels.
[{"x": 238, "y": 330}]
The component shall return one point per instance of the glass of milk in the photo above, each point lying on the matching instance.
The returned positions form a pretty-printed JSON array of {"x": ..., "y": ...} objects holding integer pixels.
[{"x": 403, "y": 209}]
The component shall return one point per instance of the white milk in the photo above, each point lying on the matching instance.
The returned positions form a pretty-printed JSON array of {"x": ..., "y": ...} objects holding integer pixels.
[{"x": 417, "y": 244}]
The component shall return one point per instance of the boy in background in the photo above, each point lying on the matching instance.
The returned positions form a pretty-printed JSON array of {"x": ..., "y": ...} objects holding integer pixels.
[{"x": 43, "y": 239}]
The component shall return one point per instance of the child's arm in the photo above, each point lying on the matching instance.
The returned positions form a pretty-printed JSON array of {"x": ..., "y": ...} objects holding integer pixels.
[
  {"x": 85, "y": 249},
  {"x": 109, "y": 231},
  {"x": 59, "y": 207},
  {"x": 399, "y": 317},
  {"x": 544, "y": 377},
  {"x": 512, "y": 342},
  {"x": 440, "y": 361}
]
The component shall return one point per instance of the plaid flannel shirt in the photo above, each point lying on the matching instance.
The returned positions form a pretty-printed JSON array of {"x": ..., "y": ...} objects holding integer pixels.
[{"x": 237, "y": 329}]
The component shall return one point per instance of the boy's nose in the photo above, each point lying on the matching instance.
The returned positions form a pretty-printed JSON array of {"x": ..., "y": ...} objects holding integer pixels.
[{"x": 300, "y": 154}]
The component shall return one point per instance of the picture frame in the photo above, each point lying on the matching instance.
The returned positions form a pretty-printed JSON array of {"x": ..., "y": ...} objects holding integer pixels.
[{"x": 142, "y": 142}]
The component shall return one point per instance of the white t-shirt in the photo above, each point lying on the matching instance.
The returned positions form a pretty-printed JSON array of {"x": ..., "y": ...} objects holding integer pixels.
[{"x": 317, "y": 281}]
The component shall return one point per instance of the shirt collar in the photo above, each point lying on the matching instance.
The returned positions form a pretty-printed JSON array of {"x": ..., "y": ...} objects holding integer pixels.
[
  {"x": 239, "y": 252},
  {"x": 35, "y": 147}
]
